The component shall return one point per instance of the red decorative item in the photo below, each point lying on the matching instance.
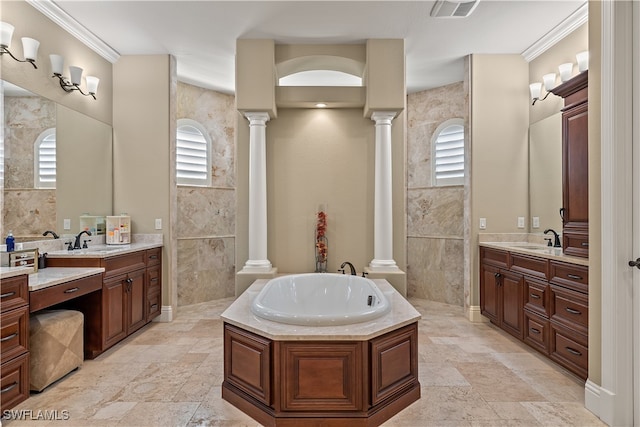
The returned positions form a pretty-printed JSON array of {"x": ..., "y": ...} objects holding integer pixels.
[{"x": 321, "y": 242}]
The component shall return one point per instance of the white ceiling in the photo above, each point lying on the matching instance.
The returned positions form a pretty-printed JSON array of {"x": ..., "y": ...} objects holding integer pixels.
[{"x": 202, "y": 34}]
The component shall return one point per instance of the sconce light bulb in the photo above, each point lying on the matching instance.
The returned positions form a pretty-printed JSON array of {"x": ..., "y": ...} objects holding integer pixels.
[
  {"x": 76, "y": 75},
  {"x": 6, "y": 33},
  {"x": 583, "y": 60},
  {"x": 30, "y": 48},
  {"x": 534, "y": 89},
  {"x": 565, "y": 71},
  {"x": 92, "y": 84},
  {"x": 549, "y": 81},
  {"x": 57, "y": 63}
]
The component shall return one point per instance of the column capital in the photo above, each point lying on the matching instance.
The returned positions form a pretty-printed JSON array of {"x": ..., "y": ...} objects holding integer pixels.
[
  {"x": 257, "y": 117},
  {"x": 383, "y": 117}
]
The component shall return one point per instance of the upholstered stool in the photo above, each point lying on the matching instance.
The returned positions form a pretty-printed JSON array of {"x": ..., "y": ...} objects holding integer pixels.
[{"x": 56, "y": 345}]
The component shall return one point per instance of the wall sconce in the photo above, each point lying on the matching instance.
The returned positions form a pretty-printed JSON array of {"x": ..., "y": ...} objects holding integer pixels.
[
  {"x": 565, "y": 71},
  {"x": 29, "y": 45},
  {"x": 583, "y": 60},
  {"x": 535, "y": 88},
  {"x": 57, "y": 63}
]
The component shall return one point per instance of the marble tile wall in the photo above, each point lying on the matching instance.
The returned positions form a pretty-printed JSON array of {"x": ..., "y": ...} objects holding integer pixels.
[
  {"x": 206, "y": 215},
  {"x": 435, "y": 215},
  {"x": 26, "y": 211}
]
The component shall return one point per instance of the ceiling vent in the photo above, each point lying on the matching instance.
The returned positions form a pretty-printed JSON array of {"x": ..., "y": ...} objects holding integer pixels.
[{"x": 453, "y": 9}]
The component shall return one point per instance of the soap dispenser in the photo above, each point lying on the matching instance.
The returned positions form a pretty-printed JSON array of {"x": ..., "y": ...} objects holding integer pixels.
[{"x": 10, "y": 241}]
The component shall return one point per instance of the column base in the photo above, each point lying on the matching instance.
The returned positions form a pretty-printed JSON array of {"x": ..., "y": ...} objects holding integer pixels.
[
  {"x": 257, "y": 266},
  {"x": 383, "y": 265}
]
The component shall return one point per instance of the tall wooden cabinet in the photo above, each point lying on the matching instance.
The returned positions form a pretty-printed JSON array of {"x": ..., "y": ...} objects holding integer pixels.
[{"x": 575, "y": 165}]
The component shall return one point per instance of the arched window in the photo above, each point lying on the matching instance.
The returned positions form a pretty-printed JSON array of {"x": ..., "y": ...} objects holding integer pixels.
[
  {"x": 448, "y": 153},
  {"x": 44, "y": 166},
  {"x": 193, "y": 154}
]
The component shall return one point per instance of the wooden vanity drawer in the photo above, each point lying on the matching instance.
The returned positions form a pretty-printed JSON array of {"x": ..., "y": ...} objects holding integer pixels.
[
  {"x": 14, "y": 292},
  {"x": 570, "y": 349},
  {"x": 570, "y": 308},
  {"x": 14, "y": 385},
  {"x": 14, "y": 333},
  {"x": 154, "y": 304},
  {"x": 536, "y": 331},
  {"x": 533, "y": 266},
  {"x": 64, "y": 292},
  {"x": 154, "y": 256},
  {"x": 120, "y": 264},
  {"x": 153, "y": 276},
  {"x": 494, "y": 257},
  {"x": 576, "y": 243},
  {"x": 570, "y": 275},
  {"x": 537, "y": 297}
]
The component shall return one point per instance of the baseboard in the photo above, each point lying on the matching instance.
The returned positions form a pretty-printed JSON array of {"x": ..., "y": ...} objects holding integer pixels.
[
  {"x": 474, "y": 315},
  {"x": 592, "y": 397},
  {"x": 166, "y": 314}
]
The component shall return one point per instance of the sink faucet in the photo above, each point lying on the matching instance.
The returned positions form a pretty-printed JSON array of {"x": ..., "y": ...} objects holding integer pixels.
[
  {"x": 53, "y": 233},
  {"x": 351, "y": 267},
  {"x": 556, "y": 242},
  {"x": 76, "y": 244}
]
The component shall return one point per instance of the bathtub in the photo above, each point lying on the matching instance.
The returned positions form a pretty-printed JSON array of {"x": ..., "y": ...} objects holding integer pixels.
[{"x": 320, "y": 299}]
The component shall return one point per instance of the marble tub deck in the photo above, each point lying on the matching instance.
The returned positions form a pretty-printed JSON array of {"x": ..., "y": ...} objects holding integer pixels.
[{"x": 170, "y": 374}]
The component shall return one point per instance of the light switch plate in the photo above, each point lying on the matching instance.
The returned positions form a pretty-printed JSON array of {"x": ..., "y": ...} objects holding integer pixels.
[
  {"x": 158, "y": 223},
  {"x": 520, "y": 222},
  {"x": 536, "y": 222},
  {"x": 483, "y": 223},
  {"x": 67, "y": 224}
]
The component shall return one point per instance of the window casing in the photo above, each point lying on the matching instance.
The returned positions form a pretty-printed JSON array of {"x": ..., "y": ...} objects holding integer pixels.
[
  {"x": 448, "y": 153},
  {"x": 45, "y": 159},
  {"x": 193, "y": 154}
]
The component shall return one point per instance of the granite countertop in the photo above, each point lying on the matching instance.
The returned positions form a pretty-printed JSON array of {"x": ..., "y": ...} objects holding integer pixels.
[
  {"x": 103, "y": 251},
  {"x": 52, "y": 276},
  {"x": 538, "y": 250},
  {"x": 239, "y": 314},
  {"x": 7, "y": 272}
]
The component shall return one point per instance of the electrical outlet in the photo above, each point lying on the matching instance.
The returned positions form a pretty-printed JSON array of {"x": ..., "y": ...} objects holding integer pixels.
[
  {"x": 158, "y": 223},
  {"x": 520, "y": 222},
  {"x": 536, "y": 222},
  {"x": 67, "y": 224},
  {"x": 483, "y": 223}
]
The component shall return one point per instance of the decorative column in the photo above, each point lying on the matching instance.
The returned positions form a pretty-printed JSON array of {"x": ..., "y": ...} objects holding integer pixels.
[
  {"x": 383, "y": 198},
  {"x": 257, "y": 261}
]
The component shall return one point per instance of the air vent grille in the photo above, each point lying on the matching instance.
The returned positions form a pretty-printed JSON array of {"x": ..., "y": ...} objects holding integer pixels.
[{"x": 453, "y": 9}]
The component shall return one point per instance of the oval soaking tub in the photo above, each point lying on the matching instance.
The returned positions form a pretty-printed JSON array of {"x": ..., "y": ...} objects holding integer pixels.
[{"x": 320, "y": 299}]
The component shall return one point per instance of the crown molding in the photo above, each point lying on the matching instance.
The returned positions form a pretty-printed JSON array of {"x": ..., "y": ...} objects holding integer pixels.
[
  {"x": 73, "y": 27},
  {"x": 563, "y": 29}
]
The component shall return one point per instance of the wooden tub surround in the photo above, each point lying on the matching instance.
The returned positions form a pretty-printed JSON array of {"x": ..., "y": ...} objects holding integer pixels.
[{"x": 350, "y": 375}]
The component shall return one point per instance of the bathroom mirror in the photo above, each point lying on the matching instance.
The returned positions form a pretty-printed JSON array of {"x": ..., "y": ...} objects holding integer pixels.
[
  {"x": 545, "y": 173},
  {"x": 84, "y": 179}
]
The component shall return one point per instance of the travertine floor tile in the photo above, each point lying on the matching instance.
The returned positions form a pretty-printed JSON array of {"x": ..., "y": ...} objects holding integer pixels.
[{"x": 170, "y": 374}]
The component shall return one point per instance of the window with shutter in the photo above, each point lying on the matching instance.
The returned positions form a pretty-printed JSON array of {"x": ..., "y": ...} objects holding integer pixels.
[
  {"x": 448, "y": 153},
  {"x": 193, "y": 158},
  {"x": 45, "y": 159}
]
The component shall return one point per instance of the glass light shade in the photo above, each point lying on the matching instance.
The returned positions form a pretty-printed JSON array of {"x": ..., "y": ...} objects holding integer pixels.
[
  {"x": 57, "y": 62},
  {"x": 565, "y": 71},
  {"x": 76, "y": 74},
  {"x": 583, "y": 61},
  {"x": 549, "y": 81},
  {"x": 6, "y": 32},
  {"x": 30, "y": 48},
  {"x": 534, "y": 89},
  {"x": 92, "y": 84}
]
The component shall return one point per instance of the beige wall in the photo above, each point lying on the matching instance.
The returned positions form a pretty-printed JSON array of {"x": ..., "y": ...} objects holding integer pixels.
[
  {"x": 28, "y": 22},
  {"x": 499, "y": 119},
  {"x": 143, "y": 143}
]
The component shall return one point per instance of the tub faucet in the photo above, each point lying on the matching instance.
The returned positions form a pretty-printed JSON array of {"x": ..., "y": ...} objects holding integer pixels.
[
  {"x": 53, "y": 233},
  {"x": 556, "y": 242},
  {"x": 351, "y": 267},
  {"x": 76, "y": 244}
]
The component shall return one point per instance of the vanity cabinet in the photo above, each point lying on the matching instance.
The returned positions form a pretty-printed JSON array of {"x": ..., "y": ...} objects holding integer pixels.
[
  {"x": 14, "y": 341},
  {"x": 131, "y": 296},
  {"x": 575, "y": 165},
  {"x": 543, "y": 302}
]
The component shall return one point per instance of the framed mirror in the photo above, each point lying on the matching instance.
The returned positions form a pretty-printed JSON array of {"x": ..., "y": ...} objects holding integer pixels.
[{"x": 57, "y": 165}]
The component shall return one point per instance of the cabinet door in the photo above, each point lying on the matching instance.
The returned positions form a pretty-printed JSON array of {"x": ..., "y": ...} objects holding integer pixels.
[
  {"x": 576, "y": 165},
  {"x": 113, "y": 308},
  {"x": 489, "y": 295},
  {"x": 136, "y": 301},
  {"x": 512, "y": 288}
]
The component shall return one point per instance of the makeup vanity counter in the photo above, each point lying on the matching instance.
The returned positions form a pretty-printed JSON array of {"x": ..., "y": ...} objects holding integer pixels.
[{"x": 540, "y": 296}]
